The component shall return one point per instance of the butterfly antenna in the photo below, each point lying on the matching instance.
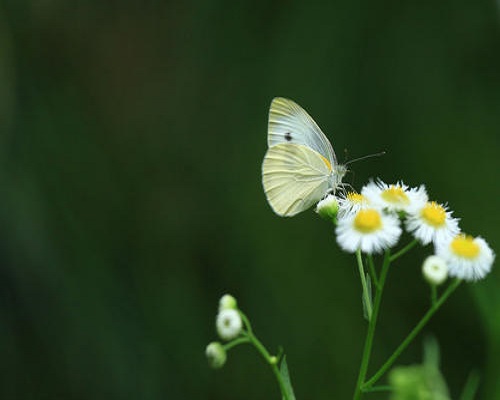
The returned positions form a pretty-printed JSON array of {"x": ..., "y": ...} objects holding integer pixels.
[
  {"x": 365, "y": 157},
  {"x": 346, "y": 155}
]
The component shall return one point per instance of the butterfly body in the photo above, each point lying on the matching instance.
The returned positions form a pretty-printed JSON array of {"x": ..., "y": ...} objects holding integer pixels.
[{"x": 300, "y": 166}]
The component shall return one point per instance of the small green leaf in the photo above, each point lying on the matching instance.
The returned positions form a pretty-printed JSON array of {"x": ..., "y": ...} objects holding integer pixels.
[
  {"x": 286, "y": 379},
  {"x": 471, "y": 386}
]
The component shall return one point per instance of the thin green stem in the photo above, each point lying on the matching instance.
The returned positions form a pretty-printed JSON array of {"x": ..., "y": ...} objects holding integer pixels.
[
  {"x": 267, "y": 357},
  {"x": 371, "y": 328},
  {"x": 385, "y": 388},
  {"x": 250, "y": 337},
  {"x": 404, "y": 250},
  {"x": 433, "y": 295},
  {"x": 246, "y": 321},
  {"x": 236, "y": 342},
  {"x": 449, "y": 290},
  {"x": 373, "y": 272},
  {"x": 366, "y": 292}
]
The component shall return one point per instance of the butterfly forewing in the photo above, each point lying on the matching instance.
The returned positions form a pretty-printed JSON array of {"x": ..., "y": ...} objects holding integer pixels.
[
  {"x": 294, "y": 178},
  {"x": 290, "y": 123}
]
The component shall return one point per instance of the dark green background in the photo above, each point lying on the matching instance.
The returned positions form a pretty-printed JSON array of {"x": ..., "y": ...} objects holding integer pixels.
[{"x": 132, "y": 135}]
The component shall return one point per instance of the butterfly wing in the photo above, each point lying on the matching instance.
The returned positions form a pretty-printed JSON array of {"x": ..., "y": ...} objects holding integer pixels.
[
  {"x": 290, "y": 123},
  {"x": 294, "y": 178}
]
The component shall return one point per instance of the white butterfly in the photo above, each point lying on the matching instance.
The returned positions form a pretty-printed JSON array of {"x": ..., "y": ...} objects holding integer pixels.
[{"x": 300, "y": 166}]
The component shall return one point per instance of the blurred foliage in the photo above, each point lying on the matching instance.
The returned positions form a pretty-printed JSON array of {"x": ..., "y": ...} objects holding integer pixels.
[
  {"x": 420, "y": 381},
  {"x": 132, "y": 138}
]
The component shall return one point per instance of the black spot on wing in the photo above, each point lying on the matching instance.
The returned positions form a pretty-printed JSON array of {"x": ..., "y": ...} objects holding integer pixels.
[{"x": 288, "y": 136}]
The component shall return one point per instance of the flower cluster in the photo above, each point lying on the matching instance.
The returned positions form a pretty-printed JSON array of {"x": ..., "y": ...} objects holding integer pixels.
[
  {"x": 229, "y": 325},
  {"x": 373, "y": 220}
]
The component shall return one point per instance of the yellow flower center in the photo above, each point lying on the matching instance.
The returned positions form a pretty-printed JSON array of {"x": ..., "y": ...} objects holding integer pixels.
[
  {"x": 367, "y": 221},
  {"x": 355, "y": 197},
  {"x": 396, "y": 195},
  {"x": 434, "y": 214},
  {"x": 465, "y": 246}
]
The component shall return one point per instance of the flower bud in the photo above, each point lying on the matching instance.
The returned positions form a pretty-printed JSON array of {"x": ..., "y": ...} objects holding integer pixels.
[
  {"x": 328, "y": 207},
  {"x": 227, "y": 302},
  {"x": 435, "y": 270},
  {"x": 216, "y": 355},
  {"x": 228, "y": 324}
]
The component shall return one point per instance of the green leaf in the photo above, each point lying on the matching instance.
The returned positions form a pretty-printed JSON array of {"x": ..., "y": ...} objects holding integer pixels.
[
  {"x": 470, "y": 389},
  {"x": 286, "y": 379}
]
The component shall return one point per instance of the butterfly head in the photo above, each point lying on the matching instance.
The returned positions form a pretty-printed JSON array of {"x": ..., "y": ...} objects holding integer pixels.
[{"x": 338, "y": 172}]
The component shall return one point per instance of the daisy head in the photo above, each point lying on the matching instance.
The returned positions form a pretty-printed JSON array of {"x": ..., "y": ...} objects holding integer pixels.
[
  {"x": 369, "y": 230},
  {"x": 468, "y": 258},
  {"x": 352, "y": 202},
  {"x": 432, "y": 222},
  {"x": 228, "y": 323},
  {"x": 394, "y": 197},
  {"x": 435, "y": 270}
]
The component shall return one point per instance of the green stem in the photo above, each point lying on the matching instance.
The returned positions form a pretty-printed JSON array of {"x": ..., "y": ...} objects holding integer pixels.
[
  {"x": 449, "y": 290},
  {"x": 236, "y": 342},
  {"x": 267, "y": 357},
  {"x": 373, "y": 273},
  {"x": 379, "y": 389},
  {"x": 246, "y": 321},
  {"x": 366, "y": 293},
  {"x": 371, "y": 328},
  {"x": 404, "y": 250},
  {"x": 250, "y": 337},
  {"x": 433, "y": 294}
]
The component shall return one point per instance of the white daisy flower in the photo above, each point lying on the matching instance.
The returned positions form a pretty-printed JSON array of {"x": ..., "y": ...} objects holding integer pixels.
[
  {"x": 468, "y": 258},
  {"x": 228, "y": 323},
  {"x": 432, "y": 223},
  {"x": 352, "y": 202},
  {"x": 369, "y": 230},
  {"x": 435, "y": 270},
  {"x": 328, "y": 207},
  {"x": 395, "y": 197}
]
